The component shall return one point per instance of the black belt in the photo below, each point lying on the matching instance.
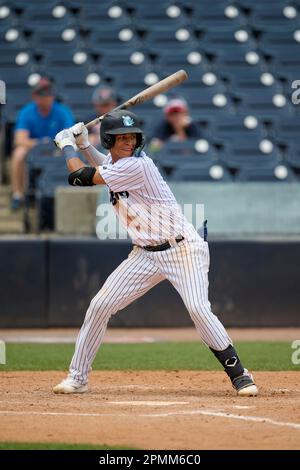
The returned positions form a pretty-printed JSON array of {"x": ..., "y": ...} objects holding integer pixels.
[{"x": 164, "y": 246}]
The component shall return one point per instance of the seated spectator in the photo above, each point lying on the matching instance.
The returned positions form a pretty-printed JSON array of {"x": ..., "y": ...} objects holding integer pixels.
[
  {"x": 176, "y": 125},
  {"x": 104, "y": 99},
  {"x": 38, "y": 121}
]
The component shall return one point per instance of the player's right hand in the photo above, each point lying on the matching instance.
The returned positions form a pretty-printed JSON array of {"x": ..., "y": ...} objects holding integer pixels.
[{"x": 80, "y": 133}]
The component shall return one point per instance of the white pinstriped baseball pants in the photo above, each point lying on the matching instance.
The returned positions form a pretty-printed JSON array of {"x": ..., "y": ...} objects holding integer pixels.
[{"x": 185, "y": 266}]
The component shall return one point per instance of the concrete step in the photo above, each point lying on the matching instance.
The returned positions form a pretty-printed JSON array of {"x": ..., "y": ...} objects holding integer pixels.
[
  {"x": 5, "y": 190},
  {"x": 11, "y": 226},
  {"x": 5, "y": 212}
]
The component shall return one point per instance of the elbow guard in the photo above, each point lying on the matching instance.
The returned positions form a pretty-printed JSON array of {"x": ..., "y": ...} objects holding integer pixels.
[{"x": 82, "y": 177}]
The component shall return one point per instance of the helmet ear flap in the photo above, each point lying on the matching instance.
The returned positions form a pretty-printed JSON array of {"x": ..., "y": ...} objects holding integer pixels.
[{"x": 107, "y": 140}]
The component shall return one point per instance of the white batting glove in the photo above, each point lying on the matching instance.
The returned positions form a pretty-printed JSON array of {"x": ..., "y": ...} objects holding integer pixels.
[
  {"x": 64, "y": 138},
  {"x": 80, "y": 133}
]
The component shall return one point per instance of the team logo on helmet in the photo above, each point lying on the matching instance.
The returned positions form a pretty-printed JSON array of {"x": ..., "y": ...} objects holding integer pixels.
[{"x": 127, "y": 121}]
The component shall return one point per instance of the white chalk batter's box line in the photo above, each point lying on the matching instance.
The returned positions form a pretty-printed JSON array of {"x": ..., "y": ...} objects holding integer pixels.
[{"x": 211, "y": 413}]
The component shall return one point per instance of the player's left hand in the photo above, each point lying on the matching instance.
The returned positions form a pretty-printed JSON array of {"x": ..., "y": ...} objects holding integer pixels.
[
  {"x": 64, "y": 138},
  {"x": 80, "y": 133}
]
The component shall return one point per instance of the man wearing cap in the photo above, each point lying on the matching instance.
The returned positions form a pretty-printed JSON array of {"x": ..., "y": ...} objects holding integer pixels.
[
  {"x": 104, "y": 99},
  {"x": 37, "y": 122},
  {"x": 176, "y": 125}
]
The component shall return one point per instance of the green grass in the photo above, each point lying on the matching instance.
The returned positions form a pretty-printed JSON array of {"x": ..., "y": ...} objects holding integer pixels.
[
  {"x": 155, "y": 356},
  {"x": 55, "y": 446}
]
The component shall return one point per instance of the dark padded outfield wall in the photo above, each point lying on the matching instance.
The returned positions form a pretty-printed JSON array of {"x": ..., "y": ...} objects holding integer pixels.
[
  {"x": 23, "y": 283},
  {"x": 78, "y": 269},
  {"x": 51, "y": 282},
  {"x": 251, "y": 284}
]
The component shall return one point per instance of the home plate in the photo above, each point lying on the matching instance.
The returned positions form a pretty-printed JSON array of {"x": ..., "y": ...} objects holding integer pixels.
[{"x": 149, "y": 403}]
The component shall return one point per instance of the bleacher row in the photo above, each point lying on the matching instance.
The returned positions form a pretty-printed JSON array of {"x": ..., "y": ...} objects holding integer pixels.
[{"x": 241, "y": 57}]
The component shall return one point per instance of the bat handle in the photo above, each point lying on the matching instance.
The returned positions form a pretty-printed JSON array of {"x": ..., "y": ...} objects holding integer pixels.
[{"x": 96, "y": 121}]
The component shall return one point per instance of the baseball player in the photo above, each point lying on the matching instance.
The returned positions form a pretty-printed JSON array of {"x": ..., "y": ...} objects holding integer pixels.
[{"x": 165, "y": 246}]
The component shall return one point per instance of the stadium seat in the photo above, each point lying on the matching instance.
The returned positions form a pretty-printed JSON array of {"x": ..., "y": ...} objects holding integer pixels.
[
  {"x": 292, "y": 156},
  {"x": 247, "y": 154},
  {"x": 41, "y": 18},
  {"x": 286, "y": 131},
  {"x": 150, "y": 18},
  {"x": 247, "y": 80},
  {"x": 169, "y": 158},
  {"x": 115, "y": 39},
  {"x": 201, "y": 172},
  {"x": 101, "y": 15},
  {"x": 264, "y": 104},
  {"x": 271, "y": 18},
  {"x": 217, "y": 15},
  {"x": 181, "y": 40},
  {"x": 47, "y": 185},
  {"x": 235, "y": 128},
  {"x": 67, "y": 39},
  {"x": 266, "y": 174}
]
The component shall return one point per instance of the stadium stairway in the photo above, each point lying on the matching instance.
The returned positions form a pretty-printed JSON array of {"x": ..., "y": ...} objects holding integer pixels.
[{"x": 10, "y": 222}]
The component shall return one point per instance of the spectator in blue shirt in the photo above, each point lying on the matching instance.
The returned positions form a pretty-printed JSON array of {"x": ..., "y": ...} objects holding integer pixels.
[{"x": 38, "y": 121}]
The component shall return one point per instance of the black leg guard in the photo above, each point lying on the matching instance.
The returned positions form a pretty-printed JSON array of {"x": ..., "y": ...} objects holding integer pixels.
[{"x": 230, "y": 361}]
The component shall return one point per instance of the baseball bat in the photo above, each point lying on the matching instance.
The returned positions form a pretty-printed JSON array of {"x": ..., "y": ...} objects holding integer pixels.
[{"x": 148, "y": 93}]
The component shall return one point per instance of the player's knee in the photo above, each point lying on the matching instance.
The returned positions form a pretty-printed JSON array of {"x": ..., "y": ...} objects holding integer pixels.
[
  {"x": 101, "y": 305},
  {"x": 199, "y": 310}
]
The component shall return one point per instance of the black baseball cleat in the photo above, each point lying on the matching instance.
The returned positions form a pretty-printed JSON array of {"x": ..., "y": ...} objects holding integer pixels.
[{"x": 244, "y": 385}]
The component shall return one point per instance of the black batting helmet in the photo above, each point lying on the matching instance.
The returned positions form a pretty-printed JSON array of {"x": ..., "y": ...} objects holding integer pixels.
[{"x": 120, "y": 122}]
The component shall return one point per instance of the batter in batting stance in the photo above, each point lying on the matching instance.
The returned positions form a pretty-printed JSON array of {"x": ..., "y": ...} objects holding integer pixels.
[{"x": 165, "y": 246}]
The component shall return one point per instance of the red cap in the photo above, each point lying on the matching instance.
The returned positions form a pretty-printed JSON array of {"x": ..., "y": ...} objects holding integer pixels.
[{"x": 176, "y": 105}]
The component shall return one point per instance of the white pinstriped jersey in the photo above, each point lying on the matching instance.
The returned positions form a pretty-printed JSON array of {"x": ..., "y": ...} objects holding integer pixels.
[{"x": 143, "y": 201}]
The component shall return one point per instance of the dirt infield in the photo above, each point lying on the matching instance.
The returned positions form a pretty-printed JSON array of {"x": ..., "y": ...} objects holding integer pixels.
[{"x": 153, "y": 410}]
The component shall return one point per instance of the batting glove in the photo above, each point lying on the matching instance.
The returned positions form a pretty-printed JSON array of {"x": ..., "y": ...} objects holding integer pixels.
[
  {"x": 80, "y": 133},
  {"x": 64, "y": 138}
]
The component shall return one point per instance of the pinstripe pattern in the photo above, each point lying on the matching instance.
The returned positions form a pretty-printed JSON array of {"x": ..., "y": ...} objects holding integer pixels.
[
  {"x": 132, "y": 279},
  {"x": 185, "y": 265},
  {"x": 150, "y": 196}
]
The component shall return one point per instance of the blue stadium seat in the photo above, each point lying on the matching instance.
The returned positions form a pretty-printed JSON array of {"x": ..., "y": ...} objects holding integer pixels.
[
  {"x": 40, "y": 18},
  {"x": 52, "y": 39},
  {"x": 12, "y": 38},
  {"x": 265, "y": 175},
  {"x": 273, "y": 38},
  {"x": 200, "y": 171},
  {"x": 114, "y": 39},
  {"x": 286, "y": 131},
  {"x": 47, "y": 185},
  {"x": 100, "y": 14},
  {"x": 69, "y": 76},
  {"x": 271, "y": 18},
  {"x": 283, "y": 55},
  {"x": 233, "y": 128},
  {"x": 186, "y": 148},
  {"x": 150, "y": 18},
  {"x": 247, "y": 154},
  {"x": 41, "y": 158},
  {"x": 15, "y": 76},
  {"x": 248, "y": 80},
  {"x": 260, "y": 103},
  {"x": 169, "y": 158},
  {"x": 292, "y": 156},
  {"x": 166, "y": 40},
  {"x": 124, "y": 61},
  {"x": 222, "y": 40},
  {"x": 215, "y": 16}
]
